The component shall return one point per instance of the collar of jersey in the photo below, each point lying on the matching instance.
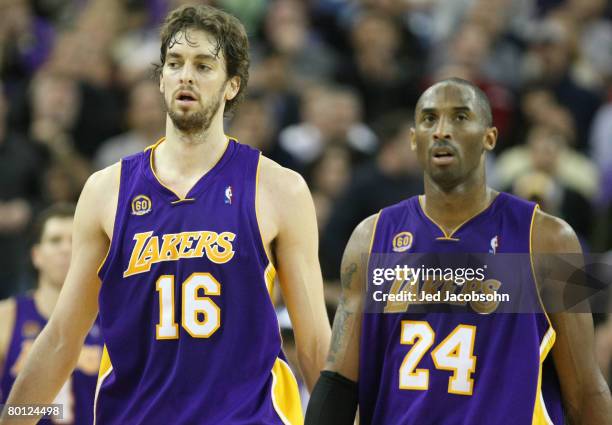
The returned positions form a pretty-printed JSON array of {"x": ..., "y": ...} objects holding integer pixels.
[{"x": 199, "y": 187}]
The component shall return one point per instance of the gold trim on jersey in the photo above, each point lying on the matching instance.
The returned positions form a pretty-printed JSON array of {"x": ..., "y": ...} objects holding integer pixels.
[
  {"x": 110, "y": 242},
  {"x": 533, "y": 271},
  {"x": 263, "y": 245},
  {"x": 285, "y": 394},
  {"x": 449, "y": 236},
  {"x": 106, "y": 367},
  {"x": 540, "y": 414},
  {"x": 373, "y": 234},
  {"x": 269, "y": 275},
  {"x": 179, "y": 198}
]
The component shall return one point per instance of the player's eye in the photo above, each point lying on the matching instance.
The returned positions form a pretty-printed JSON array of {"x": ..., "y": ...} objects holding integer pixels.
[
  {"x": 203, "y": 67},
  {"x": 462, "y": 117},
  {"x": 429, "y": 118},
  {"x": 172, "y": 65}
]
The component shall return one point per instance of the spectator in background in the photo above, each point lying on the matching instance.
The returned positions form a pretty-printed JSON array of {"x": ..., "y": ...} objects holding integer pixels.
[
  {"x": 391, "y": 176},
  {"x": 25, "y": 43},
  {"x": 287, "y": 31},
  {"x": 253, "y": 124},
  {"x": 468, "y": 56},
  {"x": 271, "y": 78},
  {"x": 548, "y": 171},
  {"x": 55, "y": 101},
  {"x": 145, "y": 121},
  {"x": 20, "y": 165},
  {"x": 329, "y": 177},
  {"x": 331, "y": 116},
  {"x": 83, "y": 53},
  {"x": 377, "y": 68},
  {"x": 550, "y": 62}
]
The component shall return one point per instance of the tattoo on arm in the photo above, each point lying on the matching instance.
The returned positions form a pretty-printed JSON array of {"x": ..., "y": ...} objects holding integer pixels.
[{"x": 343, "y": 314}]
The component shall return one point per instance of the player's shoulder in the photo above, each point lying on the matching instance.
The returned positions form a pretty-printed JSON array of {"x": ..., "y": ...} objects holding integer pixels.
[
  {"x": 99, "y": 195},
  {"x": 280, "y": 181},
  {"x": 553, "y": 235},
  {"x": 8, "y": 307},
  {"x": 362, "y": 235},
  {"x": 105, "y": 178},
  {"x": 8, "y": 313}
]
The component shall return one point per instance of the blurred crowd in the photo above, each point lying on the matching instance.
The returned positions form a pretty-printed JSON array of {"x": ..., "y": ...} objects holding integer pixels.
[{"x": 332, "y": 92}]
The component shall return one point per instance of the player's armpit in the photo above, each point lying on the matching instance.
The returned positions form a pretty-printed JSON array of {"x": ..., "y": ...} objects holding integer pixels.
[
  {"x": 56, "y": 350},
  {"x": 586, "y": 396},
  {"x": 343, "y": 354},
  {"x": 297, "y": 263}
]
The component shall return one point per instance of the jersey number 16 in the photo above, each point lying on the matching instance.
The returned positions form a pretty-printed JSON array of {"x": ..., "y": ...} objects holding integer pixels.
[{"x": 192, "y": 304}]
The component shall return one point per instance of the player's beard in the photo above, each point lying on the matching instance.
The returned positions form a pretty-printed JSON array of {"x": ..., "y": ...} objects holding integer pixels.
[{"x": 195, "y": 122}]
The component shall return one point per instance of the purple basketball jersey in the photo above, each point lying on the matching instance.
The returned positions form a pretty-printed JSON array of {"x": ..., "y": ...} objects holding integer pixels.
[
  {"x": 77, "y": 395},
  {"x": 465, "y": 367},
  {"x": 190, "y": 330}
]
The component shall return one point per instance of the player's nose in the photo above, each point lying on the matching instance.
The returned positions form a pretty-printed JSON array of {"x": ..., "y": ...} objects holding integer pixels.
[
  {"x": 442, "y": 130},
  {"x": 186, "y": 76}
]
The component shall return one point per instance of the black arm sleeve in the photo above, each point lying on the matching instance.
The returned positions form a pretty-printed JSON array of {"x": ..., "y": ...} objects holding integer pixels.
[{"x": 333, "y": 401}]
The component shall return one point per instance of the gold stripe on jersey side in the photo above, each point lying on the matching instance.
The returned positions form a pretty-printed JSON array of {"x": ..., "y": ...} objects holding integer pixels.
[
  {"x": 106, "y": 367},
  {"x": 540, "y": 414},
  {"x": 269, "y": 275},
  {"x": 285, "y": 394}
]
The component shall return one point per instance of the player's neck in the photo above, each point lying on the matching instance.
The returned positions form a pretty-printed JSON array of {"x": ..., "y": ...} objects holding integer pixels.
[
  {"x": 450, "y": 208},
  {"x": 45, "y": 298},
  {"x": 182, "y": 159}
]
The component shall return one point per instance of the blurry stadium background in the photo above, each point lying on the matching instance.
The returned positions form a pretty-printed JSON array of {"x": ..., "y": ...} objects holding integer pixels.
[{"x": 332, "y": 90}]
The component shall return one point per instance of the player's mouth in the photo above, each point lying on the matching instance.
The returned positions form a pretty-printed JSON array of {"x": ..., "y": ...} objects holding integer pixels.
[
  {"x": 185, "y": 97},
  {"x": 442, "y": 156}
]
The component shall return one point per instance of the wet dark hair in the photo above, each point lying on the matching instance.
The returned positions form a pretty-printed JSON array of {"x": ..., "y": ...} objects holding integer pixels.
[
  {"x": 482, "y": 100},
  {"x": 228, "y": 31},
  {"x": 59, "y": 210}
]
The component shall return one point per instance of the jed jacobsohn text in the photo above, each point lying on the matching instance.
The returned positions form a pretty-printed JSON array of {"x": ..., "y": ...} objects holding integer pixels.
[
  {"x": 417, "y": 274},
  {"x": 425, "y": 285}
]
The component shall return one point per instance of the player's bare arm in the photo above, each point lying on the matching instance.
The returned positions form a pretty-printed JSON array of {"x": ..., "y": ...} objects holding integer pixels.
[
  {"x": 56, "y": 350},
  {"x": 287, "y": 219},
  {"x": 8, "y": 311},
  {"x": 585, "y": 393},
  {"x": 343, "y": 358}
]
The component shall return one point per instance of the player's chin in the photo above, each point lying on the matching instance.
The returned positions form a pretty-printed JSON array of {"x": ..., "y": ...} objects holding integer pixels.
[{"x": 444, "y": 175}]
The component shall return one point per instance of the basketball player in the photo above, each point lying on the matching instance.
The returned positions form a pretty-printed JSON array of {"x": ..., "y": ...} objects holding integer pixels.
[
  {"x": 23, "y": 317},
  {"x": 461, "y": 368},
  {"x": 188, "y": 236}
]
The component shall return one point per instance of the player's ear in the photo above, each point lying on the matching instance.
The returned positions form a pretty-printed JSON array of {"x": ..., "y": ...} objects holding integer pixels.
[
  {"x": 161, "y": 81},
  {"x": 490, "y": 138},
  {"x": 232, "y": 88},
  {"x": 412, "y": 139}
]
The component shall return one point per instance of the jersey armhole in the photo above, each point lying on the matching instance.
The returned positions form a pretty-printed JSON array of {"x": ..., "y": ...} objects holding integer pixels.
[
  {"x": 102, "y": 268},
  {"x": 549, "y": 337},
  {"x": 257, "y": 221},
  {"x": 372, "y": 238}
]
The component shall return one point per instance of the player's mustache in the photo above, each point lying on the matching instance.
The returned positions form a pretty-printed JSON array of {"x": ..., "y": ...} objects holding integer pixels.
[{"x": 444, "y": 145}]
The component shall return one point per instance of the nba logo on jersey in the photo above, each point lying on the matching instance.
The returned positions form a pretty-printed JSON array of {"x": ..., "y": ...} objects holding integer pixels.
[
  {"x": 228, "y": 195},
  {"x": 494, "y": 245}
]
